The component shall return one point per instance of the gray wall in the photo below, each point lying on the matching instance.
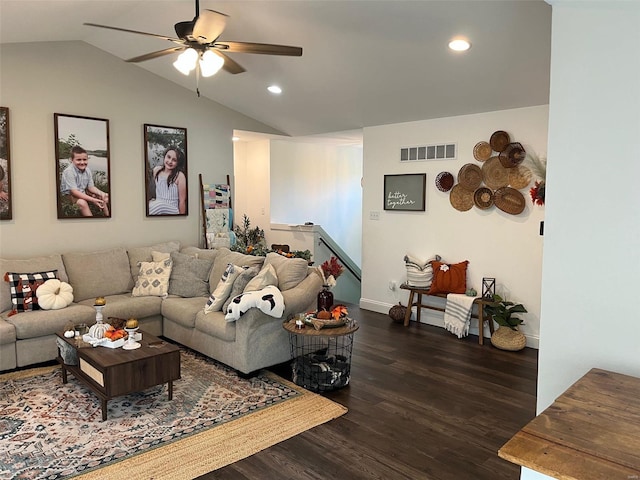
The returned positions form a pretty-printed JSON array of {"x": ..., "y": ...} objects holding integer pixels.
[{"x": 40, "y": 79}]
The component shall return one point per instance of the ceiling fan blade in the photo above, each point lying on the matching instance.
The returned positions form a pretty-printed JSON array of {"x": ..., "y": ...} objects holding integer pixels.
[
  {"x": 208, "y": 26},
  {"x": 261, "y": 48},
  {"x": 159, "y": 53},
  {"x": 177, "y": 40},
  {"x": 229, "y": 65}
]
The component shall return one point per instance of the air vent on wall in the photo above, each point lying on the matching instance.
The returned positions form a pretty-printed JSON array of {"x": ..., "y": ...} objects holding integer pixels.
[{"x": 443, "y": 151}]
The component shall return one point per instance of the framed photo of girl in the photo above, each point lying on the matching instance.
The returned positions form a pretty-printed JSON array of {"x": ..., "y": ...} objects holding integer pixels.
[
  {"x": 165, "y": 170},
  {"x": 5, "y": 166},
  {"x": 82, "y": 166}
]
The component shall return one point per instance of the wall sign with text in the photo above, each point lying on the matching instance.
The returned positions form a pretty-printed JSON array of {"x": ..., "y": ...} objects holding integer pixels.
[{"x": 405, "y": 192}]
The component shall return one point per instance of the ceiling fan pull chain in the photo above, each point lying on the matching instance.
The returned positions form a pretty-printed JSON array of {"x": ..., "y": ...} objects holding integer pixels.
[{"x": 198, "y": 78}]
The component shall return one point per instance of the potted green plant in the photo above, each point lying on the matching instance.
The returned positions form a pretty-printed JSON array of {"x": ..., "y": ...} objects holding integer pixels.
[{"x": 501, "y": 311}]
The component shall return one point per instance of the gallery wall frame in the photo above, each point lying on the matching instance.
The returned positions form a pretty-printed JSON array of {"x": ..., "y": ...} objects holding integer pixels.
[
  {"x": 6, "y": 210},
  {"x": 165, "y": 166},
  {"x": 83, "y": 172},
  {"x": 405, "y": 192}
]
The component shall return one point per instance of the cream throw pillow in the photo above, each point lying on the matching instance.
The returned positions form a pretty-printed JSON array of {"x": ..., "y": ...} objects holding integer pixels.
[
  {"x": 222, "y": 291},
  {"x": 290, "y": 271},
  {"x": 153, "y": 279},
  {"x": 266, "y": 277}
]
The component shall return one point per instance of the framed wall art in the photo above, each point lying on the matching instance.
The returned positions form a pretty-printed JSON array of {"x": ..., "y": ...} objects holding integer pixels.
[
  {"x": 5, "y": 166},
  {"x": 82, "y": 166},
  {"x": 405, "y": 192},
  {"x": 165, "y": 163}
]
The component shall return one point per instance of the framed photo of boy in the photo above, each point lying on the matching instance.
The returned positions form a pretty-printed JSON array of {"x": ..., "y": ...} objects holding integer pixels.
[
  {"x": 5, "y": 166},
  {"x": 165, "y": 163},
  {"x": 82, "y": 166}
]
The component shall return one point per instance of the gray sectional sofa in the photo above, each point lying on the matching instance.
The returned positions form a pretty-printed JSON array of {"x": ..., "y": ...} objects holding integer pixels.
[{"x": 254, "y": 341}]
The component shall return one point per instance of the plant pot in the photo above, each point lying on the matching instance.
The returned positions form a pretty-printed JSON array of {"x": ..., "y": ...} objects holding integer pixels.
[{"x": 506, "y": 338}]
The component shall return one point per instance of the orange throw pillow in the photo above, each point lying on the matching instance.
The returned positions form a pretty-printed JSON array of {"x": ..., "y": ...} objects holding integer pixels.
[{"x": 449, "y": 278}]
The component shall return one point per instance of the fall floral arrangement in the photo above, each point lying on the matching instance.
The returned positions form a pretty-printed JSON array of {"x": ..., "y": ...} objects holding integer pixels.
[
  {"x": 539, "y": 168},
  {"x": 330, "y": 271}
]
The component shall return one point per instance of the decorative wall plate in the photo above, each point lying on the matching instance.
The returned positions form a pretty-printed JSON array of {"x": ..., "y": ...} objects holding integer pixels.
[
  {"x": 482, "y": 151},
  {"x": 470, "y": 176},
  {"x": 444, "y": 181},
  {"x": 509, "y": 200},
  {"x": 499, "y": 140},
  {"x": 495, "y": 175}
]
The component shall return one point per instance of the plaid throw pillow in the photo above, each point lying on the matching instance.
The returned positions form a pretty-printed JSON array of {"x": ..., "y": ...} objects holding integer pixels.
[{"x": 23, "y": 288}]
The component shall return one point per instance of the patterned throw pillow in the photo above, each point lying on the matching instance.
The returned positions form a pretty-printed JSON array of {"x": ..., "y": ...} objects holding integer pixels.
[
  {"x": 23, "y": 288},
  {"x": 238, "y": 285},
  {"x": 222, "y": 291},
  {"x": 153, "y": 279},
  {"x": 419, "y": 273}
]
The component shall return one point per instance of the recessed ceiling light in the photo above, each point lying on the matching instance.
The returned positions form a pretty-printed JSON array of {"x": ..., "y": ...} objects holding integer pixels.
[
  {"x": 459, "y": 44},
  {"x": 274, "y": 89}
]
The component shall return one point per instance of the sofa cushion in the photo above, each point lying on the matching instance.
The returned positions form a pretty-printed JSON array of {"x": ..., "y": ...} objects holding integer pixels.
[
  {"x": 126, "y": 306},
  {"x": 223, "y": 289},
  {"x": 39, "y": 323},
  {"x": 144, "y": 254},
  {"x": 182, "y": 310},
  {"x": 215, "y": 325},
  {"x": 24, "y": 287},
  {"x": 189, "y": 275},
  {"x": 224, "y": 258},
  {"x": 200, "y": 253},
  {"x": 266, "y": 277},
  {"x": 153, "y": 279},
  {"x": 290, "y": 271},
  {"x": 35, "y": 264},
  {"x": 97, "y": 274},
  {"x": 240, "y": 283}
]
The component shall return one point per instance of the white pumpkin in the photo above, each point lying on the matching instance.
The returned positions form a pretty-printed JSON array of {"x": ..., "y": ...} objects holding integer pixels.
[{"x": 54, "y": 294}]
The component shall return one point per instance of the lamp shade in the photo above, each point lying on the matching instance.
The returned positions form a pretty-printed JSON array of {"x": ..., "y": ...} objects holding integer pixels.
[
  {"x": 186, "y": 61},
  {"x": 210, "y": 63}
]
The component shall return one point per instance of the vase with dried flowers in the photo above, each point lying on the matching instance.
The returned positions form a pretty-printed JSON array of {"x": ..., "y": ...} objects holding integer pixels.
[
  {"x": 539, "y": 168},
  {"x": 330, "y": 271}
]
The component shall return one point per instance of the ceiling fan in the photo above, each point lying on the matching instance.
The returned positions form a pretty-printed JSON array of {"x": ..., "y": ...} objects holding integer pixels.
[{"x": 201, "y": 50}]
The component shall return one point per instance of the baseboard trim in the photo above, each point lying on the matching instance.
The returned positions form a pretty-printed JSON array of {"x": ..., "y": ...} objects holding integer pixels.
[{"x": 432, "y": 317}]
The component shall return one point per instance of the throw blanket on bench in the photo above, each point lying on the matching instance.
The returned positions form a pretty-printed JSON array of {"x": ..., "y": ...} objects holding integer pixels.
[
  {"x": 457, "y": 313},
  {"x": 269, "y": 300}
]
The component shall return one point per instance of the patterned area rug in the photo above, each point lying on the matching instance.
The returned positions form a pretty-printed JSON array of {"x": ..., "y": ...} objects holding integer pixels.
[{"x": 50, "y": 431}]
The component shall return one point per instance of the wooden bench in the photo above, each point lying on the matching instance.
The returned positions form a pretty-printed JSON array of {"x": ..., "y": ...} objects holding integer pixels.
[{"x": 417, "y": 293}]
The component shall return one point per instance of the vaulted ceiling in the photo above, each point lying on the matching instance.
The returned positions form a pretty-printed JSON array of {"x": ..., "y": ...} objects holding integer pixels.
[{"x": 364, "y": 63}]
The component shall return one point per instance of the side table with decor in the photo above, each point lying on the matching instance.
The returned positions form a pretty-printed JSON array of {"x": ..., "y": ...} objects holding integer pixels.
[{"x": 321, "y": 353}]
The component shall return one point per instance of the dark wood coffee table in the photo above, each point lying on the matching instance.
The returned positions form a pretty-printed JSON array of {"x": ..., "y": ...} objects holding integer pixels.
[{"x": 113, "y": 372}]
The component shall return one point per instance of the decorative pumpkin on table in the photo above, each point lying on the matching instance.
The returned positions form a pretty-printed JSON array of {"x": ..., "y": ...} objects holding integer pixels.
[{"x": 54, "y": 294}]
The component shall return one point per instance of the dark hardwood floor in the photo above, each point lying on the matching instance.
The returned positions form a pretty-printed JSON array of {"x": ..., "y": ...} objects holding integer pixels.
[{"x": 423, "y": 404}]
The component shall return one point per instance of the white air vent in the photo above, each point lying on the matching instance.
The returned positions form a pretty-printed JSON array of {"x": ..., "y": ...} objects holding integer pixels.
[{"x": 443, "y": 151}]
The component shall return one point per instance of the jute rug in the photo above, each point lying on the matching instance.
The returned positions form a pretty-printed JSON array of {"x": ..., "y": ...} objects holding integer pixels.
[{"x": 54, "y": 431}]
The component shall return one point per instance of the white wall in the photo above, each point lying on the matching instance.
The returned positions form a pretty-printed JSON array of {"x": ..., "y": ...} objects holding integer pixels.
[
  {"x": 323, "y": 182},
  {"x": 496, "y": 244},
  {"x": 591, "y": 277},
  {"x": 40, "y": 79},
  {"x": 252, "y": 192}
]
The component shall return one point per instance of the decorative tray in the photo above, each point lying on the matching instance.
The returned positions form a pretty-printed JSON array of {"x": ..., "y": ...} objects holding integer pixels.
[
  {"x": 105, "y": 342},
  {"x": 319, "y": 323}
]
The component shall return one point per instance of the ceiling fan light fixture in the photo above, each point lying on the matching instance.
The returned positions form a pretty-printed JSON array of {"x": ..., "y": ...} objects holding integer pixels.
[
  {"x": 459, "y": 44},
  {"x": 275, "y": 89},
  {"x": 186, "y": 61},
  {"x": 210, "y": 63}
]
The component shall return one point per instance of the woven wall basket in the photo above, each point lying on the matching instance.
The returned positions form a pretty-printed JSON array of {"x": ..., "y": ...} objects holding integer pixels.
[{"x": 505, "y": 338}]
